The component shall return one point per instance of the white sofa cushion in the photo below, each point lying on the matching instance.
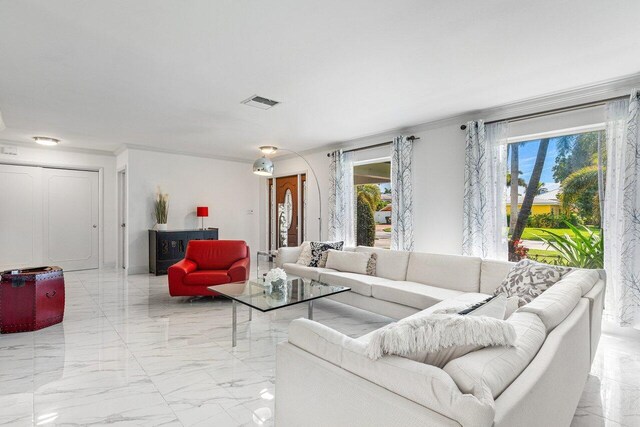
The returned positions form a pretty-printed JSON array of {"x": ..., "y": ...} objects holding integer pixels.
[
  {"x": 359, "y": 283},
  {"x": 288, "y": 255},
  {"x": 391, "y": 265},
  {"x": 349, "y": 262},
  {"x": 458, "y": 301},
  {"x": 586, "y": 279},
  {"x": 424, "y": 384},
  {"x": 456, "y": 272},
  {"x": 413, "y": 294},
  {"x": 312, "y": 273},
  {"x": 555, "y": 304},
  {"x": 486, "y": 373},
  {"x": 492, "y": 273}
]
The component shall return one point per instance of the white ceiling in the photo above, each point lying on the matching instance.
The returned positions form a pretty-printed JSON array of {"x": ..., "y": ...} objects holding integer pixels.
[{"x": 171, "y": 74}]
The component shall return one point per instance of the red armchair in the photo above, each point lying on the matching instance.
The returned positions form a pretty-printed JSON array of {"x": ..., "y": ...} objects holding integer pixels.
[{"x": 208, "y": 263}]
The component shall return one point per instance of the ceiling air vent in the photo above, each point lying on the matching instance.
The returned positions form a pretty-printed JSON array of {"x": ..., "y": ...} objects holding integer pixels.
[{"x": 260, "y": 102}]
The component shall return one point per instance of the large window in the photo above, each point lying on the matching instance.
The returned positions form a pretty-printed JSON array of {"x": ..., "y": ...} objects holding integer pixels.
[
  {"x": 554, "y": 191},
  {"x": 373, "y": 198}
]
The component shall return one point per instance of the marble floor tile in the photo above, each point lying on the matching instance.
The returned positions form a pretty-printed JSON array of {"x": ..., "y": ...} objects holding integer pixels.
[{"x": 129, "y": 354}]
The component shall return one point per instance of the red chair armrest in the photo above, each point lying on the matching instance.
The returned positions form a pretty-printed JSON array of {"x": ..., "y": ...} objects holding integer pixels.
[
  {"x": 239, "y": 270},
  {"x": 180, "y": 269}
]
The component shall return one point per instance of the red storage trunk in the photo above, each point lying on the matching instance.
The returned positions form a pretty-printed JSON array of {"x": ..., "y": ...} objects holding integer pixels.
[{"x": 31, "y": 299}]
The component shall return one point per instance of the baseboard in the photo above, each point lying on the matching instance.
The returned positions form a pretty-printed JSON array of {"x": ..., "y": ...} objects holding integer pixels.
[{"x": 140, "y": 269}]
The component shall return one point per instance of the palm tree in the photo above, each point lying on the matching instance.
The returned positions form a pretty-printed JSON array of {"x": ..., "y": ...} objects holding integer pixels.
[
  {"x": 532, "y": 189},
  {"x": 519, "y": 183},
  {"x": 583, "y": 181},
  {"x": 514, "y": 186}
]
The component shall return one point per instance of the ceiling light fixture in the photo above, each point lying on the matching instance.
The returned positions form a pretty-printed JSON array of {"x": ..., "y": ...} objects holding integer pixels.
[
  {"x": 45, "y": 140},
  {"x": 268, "y": 149}
]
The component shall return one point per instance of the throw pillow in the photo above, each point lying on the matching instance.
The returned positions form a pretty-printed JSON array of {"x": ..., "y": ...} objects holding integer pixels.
[
  {"x": 318, "y": 248},
  {"x": 323, "y": 260},
  {"x": 371, "y": 265},
  {"x": 528, "y": 279},
  {"x": 305, "y": 254},
  {"x": 350, "y": 262},
  {"x": 436, "y": 339}
]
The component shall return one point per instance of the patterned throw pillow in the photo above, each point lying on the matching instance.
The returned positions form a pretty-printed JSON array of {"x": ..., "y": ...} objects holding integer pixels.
[
  {"x": 371, "y": 265},
  {"x": 318, "y": 248},
  {"x": 305, "y": 254},
  {"x": 529, "y": 279},
  {"x": 323, "y": 259}
]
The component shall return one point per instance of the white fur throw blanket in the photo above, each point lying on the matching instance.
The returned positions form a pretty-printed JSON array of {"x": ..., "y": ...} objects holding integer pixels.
[{"x": 436, "y": 332}]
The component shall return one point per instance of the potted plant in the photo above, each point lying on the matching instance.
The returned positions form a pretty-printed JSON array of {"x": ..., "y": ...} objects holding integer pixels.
[{"x": 161, "y": 210}]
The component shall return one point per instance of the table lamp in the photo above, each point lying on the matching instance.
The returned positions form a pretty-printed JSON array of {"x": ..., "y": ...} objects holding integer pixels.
[{"x": 202, "y": 212}]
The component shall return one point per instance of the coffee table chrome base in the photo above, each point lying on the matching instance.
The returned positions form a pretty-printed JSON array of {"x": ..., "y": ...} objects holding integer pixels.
[{"x": 234, "y": 324}]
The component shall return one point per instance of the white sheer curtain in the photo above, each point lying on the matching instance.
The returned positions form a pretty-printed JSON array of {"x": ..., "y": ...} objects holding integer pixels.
[
  {"x": 485, "y": 177},
  {"x": 401, "y": 194},
  {"x": 622, "y": 212},
  {"x": 342, "y": 213}
]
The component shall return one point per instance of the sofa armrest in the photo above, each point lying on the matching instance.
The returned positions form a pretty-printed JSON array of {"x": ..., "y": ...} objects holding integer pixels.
[
  {"x": 180, "y": 269},
  {"x": 288, "y": 255},
  {"x": 424, "y": 384},
  {"x": 239, "y": 270}
]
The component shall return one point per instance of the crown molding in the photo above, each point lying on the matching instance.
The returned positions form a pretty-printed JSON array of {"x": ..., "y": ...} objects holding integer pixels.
[
  {"x": 66, "y": 148},
  {"x": 559, "y": 99},
  {"x": 137, "y": 147}
]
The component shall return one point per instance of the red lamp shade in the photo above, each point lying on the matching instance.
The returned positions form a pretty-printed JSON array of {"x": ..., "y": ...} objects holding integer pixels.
[{"x": 202, "y": 211}]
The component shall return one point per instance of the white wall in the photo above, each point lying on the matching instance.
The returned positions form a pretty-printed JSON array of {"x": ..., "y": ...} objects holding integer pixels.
[
  {"x": 229, "y": 189},
  {"x": 438, "y": 173},
  {"x": 438, "y": 176},
  {"x": 103, "y": 163}
]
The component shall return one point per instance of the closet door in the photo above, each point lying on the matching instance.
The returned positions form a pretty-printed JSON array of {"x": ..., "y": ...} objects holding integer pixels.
[
  {"x": 70, "y": 206},
  {"x": 20, "y": 216}
]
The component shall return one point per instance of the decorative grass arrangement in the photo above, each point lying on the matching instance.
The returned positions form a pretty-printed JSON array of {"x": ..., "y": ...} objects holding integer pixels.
[{"x": 161, "y": 207}]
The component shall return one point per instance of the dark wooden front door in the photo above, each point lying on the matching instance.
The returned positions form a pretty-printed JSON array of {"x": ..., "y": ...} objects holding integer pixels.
[{"x": 284, "y": 185}]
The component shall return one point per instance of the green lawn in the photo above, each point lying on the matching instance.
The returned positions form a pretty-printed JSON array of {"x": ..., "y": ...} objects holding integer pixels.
[{"x": 532, "y": 233}]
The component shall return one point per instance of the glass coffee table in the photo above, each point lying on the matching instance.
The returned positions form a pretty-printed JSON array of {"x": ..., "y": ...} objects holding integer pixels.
[{"x": 258, "y": 295}]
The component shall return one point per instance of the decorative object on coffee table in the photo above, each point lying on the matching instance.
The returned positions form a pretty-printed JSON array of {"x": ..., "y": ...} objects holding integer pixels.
[
  {"x": 31, "y": 299},
  {"x": 202, "y": 212},
  {"x": 161, "y": 210}
]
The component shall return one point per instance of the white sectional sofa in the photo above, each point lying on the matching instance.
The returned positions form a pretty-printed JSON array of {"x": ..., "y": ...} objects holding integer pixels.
[{"x": 323, "y": 378}]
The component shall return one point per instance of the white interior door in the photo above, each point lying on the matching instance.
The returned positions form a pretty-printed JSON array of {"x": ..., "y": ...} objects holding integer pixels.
[
  {"x": 20, "y": 216},
  {"x": 71, "y": 215},
  {"x": 122, "y": 219}
]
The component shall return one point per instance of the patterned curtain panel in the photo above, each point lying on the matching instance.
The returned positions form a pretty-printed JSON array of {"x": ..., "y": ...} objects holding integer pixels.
[
  {"x": 401, "y": 194},
  {"x": 342, "y": 202},
  {"x": 485, "y": 177},
  {"x": 622, "y": 212}
]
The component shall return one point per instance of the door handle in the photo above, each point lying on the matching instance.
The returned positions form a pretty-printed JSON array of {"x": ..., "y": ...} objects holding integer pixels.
[{"x": 95, "y": 226}]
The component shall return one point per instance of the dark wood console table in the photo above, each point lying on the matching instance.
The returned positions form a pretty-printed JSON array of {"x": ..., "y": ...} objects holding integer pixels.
[{"x": 168, "y": 247}]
